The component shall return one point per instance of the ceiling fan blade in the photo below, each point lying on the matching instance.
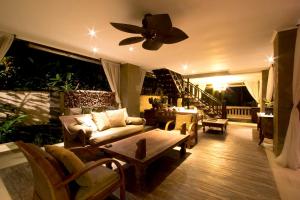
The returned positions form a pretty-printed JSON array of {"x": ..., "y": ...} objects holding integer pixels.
[
  {"x": 131, "y": 40},
  {"x": 175, "y": 35},
  {"x": 161, "y": 23},
  {"x": 128, "y": 28},
  {"x": 152, "y": 45}
]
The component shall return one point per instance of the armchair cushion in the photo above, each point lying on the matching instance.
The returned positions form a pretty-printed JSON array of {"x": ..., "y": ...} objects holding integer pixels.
[
  {"x": 71, "y": 162},
  {"x": 102, "y": 178},
  {"x": 86, "y": 120},
  {"x": 182, "y": 118},
  {"x": 101, "y": 120}
]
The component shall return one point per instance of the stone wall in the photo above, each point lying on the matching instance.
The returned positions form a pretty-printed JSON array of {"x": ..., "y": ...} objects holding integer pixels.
[{"x": 89, "y": 98}]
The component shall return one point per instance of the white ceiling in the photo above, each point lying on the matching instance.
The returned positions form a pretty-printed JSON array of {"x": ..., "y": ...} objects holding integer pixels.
[{"x": 232, "y": 35}]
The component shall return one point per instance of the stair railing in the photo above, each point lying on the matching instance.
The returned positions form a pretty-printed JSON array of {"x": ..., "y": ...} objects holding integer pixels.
[{"x": 212, "y": 103}]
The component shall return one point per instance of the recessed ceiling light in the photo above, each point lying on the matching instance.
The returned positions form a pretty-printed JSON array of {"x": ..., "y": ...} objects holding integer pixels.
[
  {"x": 270, "y": 59},
  {"x": 92, "y": 32},
  {"x": 95, "y": 49},
  {"x": 184, "y": 67},
  {"x": 131, "y": 48}
]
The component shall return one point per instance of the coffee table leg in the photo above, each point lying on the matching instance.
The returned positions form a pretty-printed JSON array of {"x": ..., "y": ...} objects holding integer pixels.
[
  {"x": 203, "y": 128},
  {"x": 140, "y": 173},
  {"x": 182, "y": 149}
]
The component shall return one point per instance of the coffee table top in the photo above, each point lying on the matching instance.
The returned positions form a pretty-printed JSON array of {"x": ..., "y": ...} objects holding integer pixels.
[
  {"x": 157, "y": 142},
  {"x": 215, "y": 121}
]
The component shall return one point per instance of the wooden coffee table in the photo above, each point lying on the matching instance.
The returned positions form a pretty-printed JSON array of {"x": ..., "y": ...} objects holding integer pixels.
[
  {"x": 219, "y": 123},
  {"x": 157, "y": 143}
]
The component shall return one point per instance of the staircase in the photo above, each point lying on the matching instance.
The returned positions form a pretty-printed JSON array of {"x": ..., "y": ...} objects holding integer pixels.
[
  {"x": 174, "y": 86},
  {"x": 171, "y": 82}
]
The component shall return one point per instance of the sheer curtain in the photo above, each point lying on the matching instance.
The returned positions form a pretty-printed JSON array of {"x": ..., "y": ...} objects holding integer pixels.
[
  {"x": 290, "y": 155},
  {"x": 6, "y": 40},
  {"x": 141, "y": 80},
  {"x": 270, "y": 84},
  {"x": 112, "y": 72},
  {"x": 253, "y": 88}
]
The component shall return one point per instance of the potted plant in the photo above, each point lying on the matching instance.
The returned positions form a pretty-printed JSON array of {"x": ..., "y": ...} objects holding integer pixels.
[{"x": 269, "y": 107}]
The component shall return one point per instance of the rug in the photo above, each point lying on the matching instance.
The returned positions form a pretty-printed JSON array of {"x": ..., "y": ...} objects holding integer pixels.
[{"x": 18, "y": 181}]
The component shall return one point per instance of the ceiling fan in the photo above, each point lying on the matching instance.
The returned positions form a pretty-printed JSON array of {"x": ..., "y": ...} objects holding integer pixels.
[{"x": 156, "y": 31}]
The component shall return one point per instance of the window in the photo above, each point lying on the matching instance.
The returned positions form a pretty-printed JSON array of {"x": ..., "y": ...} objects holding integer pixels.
[{"x": 26, "y": 68}]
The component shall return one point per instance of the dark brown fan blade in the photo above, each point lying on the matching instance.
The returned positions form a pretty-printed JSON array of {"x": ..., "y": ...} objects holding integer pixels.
[
  {"x": 131, "y": 40},
  {"x": 128, "y": 28},
  {"x": 161, "y": 23},
  {"x": 152, "y": 45},
  {"x": 175, "y": 35}
]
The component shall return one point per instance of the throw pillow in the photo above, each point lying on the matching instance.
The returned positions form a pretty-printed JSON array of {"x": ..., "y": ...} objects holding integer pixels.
[
  {"x": 72, "y": 163},
  {"x": 116, "y": 117},
  {"x": 101, "y": 120},
  {"x": 73, "y": 111},
  {"x": 86, "y": 121},
  {"x": 135, "y": 120},
  {"x": 74, "y": 128},
  {"x": 180, "y": 119}
]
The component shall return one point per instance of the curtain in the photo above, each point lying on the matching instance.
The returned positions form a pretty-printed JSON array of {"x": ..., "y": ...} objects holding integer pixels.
[
  {"x": 141, "y": 78},
  {"x": 270, "y": 84},
  {"x": 6, "y": 40},
  {"x": 253, "y": 88},
  {"x": 290, "y": 155},
  {"x": 112, "y": 72}
]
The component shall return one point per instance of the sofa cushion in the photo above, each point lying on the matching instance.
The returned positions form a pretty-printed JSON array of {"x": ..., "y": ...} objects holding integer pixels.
[
  {"x": 116, "y": 117},
  {"x": 72, "y": 163},
  {"x": 182, "y": 118},
  {"x": 114, "y": 133},
  {"x": 86, "y": 120},
  {"x": 101, "y": 120}
]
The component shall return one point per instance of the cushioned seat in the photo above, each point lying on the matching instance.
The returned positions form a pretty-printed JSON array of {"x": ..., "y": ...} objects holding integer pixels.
[
  {"x": 103, "y": 178},
  {"x": 98, "y": 138}
]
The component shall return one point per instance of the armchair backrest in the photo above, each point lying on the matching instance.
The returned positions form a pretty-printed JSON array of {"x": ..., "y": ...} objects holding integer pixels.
[{"x": 47, "y": 173}]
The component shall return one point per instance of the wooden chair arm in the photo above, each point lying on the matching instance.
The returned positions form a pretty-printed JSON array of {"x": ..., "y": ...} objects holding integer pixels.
[
  {"x": 168, "y": 124},
  {"x": 90, "y": 167},
  {"x": 192, "y": 125},
  {"x": 183, "y": 129}
]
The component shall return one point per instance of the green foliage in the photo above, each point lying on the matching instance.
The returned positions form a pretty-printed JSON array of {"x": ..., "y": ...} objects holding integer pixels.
[
  {"x": 62, "y": 82},
  {"x": 7, "y": 69},
  {"x": 9, "y": 125},
  {"x": 268, "y": 103}
]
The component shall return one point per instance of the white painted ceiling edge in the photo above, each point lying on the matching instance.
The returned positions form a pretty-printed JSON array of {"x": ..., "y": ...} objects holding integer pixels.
[
  {"x": 229, "y": 35},
  {"x": 227, "y": 79}
]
